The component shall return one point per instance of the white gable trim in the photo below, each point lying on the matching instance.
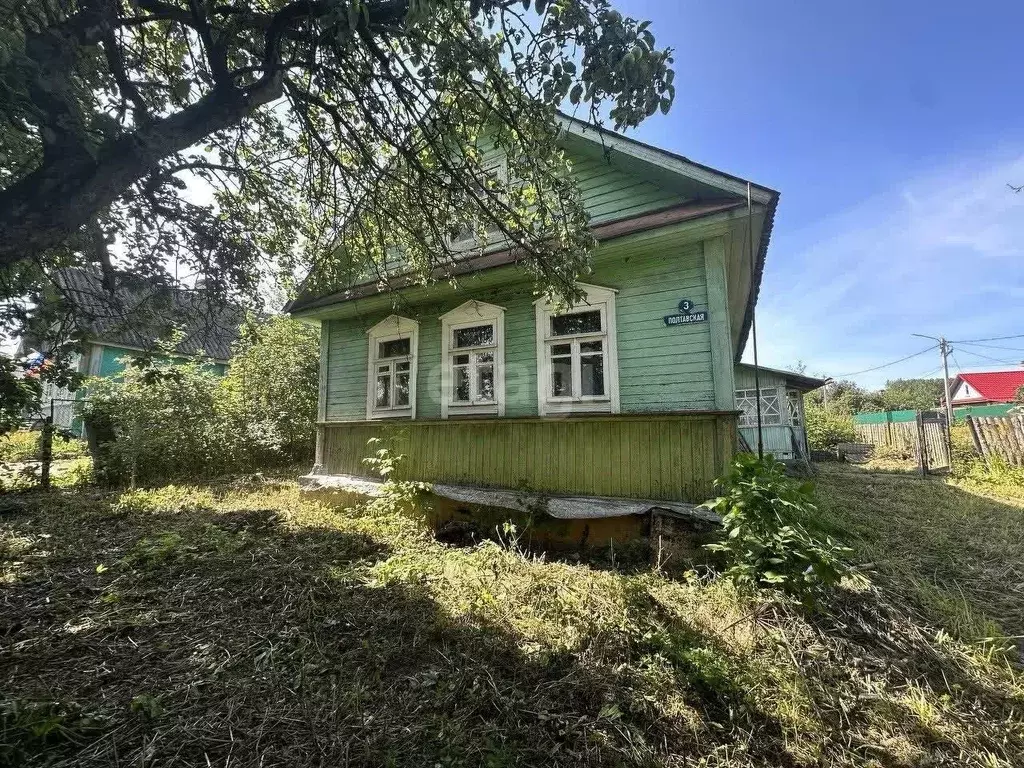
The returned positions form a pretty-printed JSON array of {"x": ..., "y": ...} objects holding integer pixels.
[
  {"x": 592, "y": 293},
  {"x": 662, "y": 159},
  {"x": 472, "y": 310}
]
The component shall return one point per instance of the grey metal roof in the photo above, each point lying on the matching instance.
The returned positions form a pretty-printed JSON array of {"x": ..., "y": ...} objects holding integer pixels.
[
  {"x": 134, "y": 312},
  {"x": 797, "y": 380}
]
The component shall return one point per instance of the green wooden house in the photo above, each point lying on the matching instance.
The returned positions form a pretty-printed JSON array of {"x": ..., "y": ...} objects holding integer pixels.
[
  {"x": 121, "y": 322},
  {"x": 632, "y": 393}
]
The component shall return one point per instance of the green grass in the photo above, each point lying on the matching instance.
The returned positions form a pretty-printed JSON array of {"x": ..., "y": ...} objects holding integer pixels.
[
  {"x": 244, "y": 624},
  {"x": 955, "y": 547},
  {"x": 23, "y": 445}
]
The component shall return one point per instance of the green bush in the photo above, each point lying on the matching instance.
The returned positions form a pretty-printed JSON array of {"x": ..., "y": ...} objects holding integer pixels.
[
  {"x": 827, "y": 427},
  {"x": 166, "y": 418},
  {"x": 159, "y": 421},
  {"x": 271, "y": 388},
  {"x": 766, "y": 543}
]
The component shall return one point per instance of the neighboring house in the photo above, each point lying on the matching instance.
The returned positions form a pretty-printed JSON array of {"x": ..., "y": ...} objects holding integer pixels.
[
  {"x": 122, "y": 323},
  {"x": 631, "y": 393},
  {"x": 985, "y": 394}
]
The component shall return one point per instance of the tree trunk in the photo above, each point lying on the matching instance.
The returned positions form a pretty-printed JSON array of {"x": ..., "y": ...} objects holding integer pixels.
[{"x": 43, "y": 209}]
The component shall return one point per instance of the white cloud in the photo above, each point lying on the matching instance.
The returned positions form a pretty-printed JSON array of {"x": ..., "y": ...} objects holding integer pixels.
[{"x": 940, "y": 254}]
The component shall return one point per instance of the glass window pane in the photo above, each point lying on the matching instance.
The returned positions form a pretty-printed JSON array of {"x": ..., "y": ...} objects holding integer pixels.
[
  {"x": 485, "y": 357},
  {"x": 461, "y": 381},
  {"x": 485, "y": 382},
  {"x": 592, "y": 374},
  {"x": 578, "y": 322},
  {"x": 383, "y": 398},
  {"x": 590, "y": 346},
  {"x": 383, "y": 369},
  {"x": 401, "y": 389},
  {"x": 561, "y": 377},
  {"x": 460, "y": 360},
  {"x": 477, "y": 336},
  {"x": 393, "y": 348},
  {"x": 561, "y": 349},
  {"x": 402, "y": 366}
]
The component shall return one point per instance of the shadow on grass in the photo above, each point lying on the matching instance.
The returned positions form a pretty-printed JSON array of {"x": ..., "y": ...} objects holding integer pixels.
[{"x": 210, "y": 638}]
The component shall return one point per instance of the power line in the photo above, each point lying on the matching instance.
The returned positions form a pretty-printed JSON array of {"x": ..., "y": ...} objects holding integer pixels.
[
  {"x": 994, "y": 360},
  {"x": 993, "y": 338},
  {"x": 991, "y": 346},
  {"x": 956, "y": 362},
  {"x": 886, "y": 365}
]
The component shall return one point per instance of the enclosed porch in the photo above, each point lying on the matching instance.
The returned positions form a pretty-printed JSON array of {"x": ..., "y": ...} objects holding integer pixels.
[
  {"x": 671, "y": 457},
  {"x": 782, "y": 429}
]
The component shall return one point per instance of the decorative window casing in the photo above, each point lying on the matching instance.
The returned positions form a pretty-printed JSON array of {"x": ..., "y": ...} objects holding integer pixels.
[
  {"x": 771, "y": 407},
  {"x": 473, "y": 360},
  {"x": 577, "y": 358},
  {"x": 391, "y": 373}
]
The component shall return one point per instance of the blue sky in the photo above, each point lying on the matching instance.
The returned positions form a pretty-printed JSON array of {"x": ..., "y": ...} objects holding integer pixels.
[{"x": 891, "y": 130}]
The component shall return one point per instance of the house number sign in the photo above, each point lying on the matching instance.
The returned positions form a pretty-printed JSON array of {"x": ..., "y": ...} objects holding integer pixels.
[{"x": 686, "y": 315}]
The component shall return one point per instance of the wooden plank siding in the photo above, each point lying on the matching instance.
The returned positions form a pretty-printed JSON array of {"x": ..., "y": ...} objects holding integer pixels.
[
  {"x": 661, "y": 368},
  {"x": 673, "y": 457}
]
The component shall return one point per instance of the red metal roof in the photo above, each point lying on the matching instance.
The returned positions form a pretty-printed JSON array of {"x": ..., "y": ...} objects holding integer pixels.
[{"x": 996, "y": 386}]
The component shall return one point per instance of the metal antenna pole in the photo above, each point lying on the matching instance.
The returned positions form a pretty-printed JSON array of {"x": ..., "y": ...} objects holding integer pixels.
[{"x": 753, "y": 324}]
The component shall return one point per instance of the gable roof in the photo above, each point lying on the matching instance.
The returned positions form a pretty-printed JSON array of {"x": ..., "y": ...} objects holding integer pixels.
[
  {"x": 995, "y": 386},
  {"x": 711, "y": 192},
  {"x": 135, "y": 312}
]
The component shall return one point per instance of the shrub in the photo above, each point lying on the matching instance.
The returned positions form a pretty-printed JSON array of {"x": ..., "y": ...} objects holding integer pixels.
[
  {"x": 158, "y": 421},
  {"x": 272, "y": 386},
  {"x": 827, "y": 427},
  {"x": 171, "y": 418},
  {"x": 766, "y": 543}
]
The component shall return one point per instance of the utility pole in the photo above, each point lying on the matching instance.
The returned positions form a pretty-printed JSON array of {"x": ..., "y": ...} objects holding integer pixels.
[{"x": 944, "y": 352}]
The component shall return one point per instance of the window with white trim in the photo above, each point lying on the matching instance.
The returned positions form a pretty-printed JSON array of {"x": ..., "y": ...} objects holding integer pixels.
[
  {"x": 391, "y": 380},
  {"x": 473, "y": 360},
  {"x": 794, "y": 397},
  {"x": 577, "y": 365},
  {"x": 771, "y": 407}
]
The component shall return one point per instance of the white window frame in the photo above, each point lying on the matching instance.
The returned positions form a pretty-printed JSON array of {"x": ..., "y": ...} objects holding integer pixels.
[
  {"x": 772, "y": 404},
  {"x": 595, "y": 297},
  {"x": 392, "y": 328},
  {"x": 499, "y": 167},
  {"x": 468, "y": 315},
  {"x": 796, "y": 408}
]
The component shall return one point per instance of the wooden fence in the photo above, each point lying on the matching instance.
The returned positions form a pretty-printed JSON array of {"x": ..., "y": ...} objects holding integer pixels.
[
  {"x": 999, "y": 437},
  {"x": 924, "y": 439},
  {"x": 900, "y": 435}
]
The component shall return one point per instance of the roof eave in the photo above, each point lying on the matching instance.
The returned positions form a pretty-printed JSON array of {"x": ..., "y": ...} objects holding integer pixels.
[
  {"x": 604, "y": 232},
  {"x": 755, "y": 279}
]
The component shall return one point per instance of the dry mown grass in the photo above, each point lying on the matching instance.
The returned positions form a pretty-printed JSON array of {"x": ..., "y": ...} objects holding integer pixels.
[{"x": 245, "y": 625}]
